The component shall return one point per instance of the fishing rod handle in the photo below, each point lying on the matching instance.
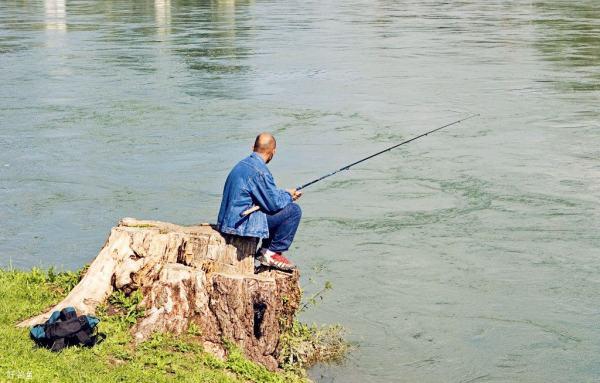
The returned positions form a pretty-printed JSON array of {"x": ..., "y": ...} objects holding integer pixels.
[
  {"x": 250, "y": 211},
  {"x": 256, "y": 207}
]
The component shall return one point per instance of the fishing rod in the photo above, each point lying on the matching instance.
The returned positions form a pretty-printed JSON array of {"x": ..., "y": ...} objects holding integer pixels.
[{"x": 347, "y": 167}]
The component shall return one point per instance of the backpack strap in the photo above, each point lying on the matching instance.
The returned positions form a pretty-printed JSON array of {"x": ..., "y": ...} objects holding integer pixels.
[
  {"x": 53, "y": 318},
  {"x": 84, "y": 338},
  {"x": 68, "y": 313},
  {"x": 58, "y": 345},
  {"x": 85, "y": 335}
]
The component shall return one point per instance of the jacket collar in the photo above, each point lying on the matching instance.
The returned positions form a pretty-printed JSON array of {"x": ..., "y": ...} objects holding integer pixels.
[{"x": 258, "y": 157}]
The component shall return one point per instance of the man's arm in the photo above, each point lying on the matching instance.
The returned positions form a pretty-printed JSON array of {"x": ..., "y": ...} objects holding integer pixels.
[{"x": 268, "y": 196}]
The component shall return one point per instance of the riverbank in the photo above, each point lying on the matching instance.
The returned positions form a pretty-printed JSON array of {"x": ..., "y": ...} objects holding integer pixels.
[{"x": 163, "y": 358}]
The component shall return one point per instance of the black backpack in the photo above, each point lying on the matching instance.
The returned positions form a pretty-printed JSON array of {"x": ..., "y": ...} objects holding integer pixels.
[{"x": 64, "y": 328}]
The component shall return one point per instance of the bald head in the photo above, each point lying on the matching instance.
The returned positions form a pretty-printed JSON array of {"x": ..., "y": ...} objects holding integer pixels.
[
  {"x": 265, "y": 145},
  {"x": 264, "y": 142}
]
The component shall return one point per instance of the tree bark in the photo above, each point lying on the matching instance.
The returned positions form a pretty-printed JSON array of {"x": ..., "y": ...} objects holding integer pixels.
[{"x": 191, "y": 274}]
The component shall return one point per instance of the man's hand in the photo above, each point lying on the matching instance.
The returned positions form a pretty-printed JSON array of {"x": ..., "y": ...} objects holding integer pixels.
[{"x": 294, "y": 193}]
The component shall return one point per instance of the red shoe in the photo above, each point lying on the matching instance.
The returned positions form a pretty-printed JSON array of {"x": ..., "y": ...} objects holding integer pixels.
[{"x": 276, "y": 260}]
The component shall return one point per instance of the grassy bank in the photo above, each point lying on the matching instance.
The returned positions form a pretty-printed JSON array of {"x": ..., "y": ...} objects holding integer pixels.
[{"x": 163, "y": 358}]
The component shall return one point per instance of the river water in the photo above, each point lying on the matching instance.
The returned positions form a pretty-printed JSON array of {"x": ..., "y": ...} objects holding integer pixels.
[{"x": 471, "y": 255}]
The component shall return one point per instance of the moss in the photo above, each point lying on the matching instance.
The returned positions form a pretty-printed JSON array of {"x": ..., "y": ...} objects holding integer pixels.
[{"x": 162, "y": 358}]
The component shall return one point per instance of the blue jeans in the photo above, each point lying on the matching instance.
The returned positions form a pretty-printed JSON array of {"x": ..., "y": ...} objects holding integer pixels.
[{"x": 282, "y": 228}]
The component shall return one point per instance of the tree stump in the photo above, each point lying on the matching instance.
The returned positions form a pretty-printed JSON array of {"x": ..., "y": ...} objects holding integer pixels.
[{"x": 191, "y": 274}]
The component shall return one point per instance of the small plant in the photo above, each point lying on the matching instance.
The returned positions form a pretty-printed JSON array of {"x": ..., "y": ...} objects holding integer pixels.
[
  {"x": 316, "y": 297},
  {"x": 142, "y": 225},
  {"x": 35, "y": 276},
  {"x": 303, "y": 345},
  {"x": 59, "y": 282},
  {"x": 157, "y": 340},
  {"x": 129, "y": 305},
  {"x": 193, "y": 329},
  {"x": 65, "y": 281}
]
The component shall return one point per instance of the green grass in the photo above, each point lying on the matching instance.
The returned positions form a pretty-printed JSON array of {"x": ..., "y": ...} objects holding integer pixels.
[
  {"x": 305, "y": 345},
  {"x": 163, "y": 358}
]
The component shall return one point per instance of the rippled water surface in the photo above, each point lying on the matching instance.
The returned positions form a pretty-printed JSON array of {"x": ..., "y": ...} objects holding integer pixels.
[{"x": 471, "y": 255}]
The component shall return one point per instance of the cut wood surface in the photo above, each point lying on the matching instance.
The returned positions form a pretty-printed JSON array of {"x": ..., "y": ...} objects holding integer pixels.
[{"x": 190, "y": 274}]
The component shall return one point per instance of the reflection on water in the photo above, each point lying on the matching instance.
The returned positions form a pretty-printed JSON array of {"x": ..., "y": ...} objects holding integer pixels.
[
  {"x": 162, "y": 11},
  {"x": 570, "y": 38},
  {"x": 467, "y": 256},
  {"x": 56, "y": 14},
  {"x": 214, "y": 44}
]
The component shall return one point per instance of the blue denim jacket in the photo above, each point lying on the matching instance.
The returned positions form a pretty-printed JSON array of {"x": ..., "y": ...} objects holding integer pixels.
[{"x": 250, "y": 183}]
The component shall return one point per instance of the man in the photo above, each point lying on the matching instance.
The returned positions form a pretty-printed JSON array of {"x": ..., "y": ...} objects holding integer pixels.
[{"x": 250, "y": 183}]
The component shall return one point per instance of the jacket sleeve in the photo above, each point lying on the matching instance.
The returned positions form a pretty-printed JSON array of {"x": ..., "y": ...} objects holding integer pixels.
[{"x": 270, "y": 198}]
